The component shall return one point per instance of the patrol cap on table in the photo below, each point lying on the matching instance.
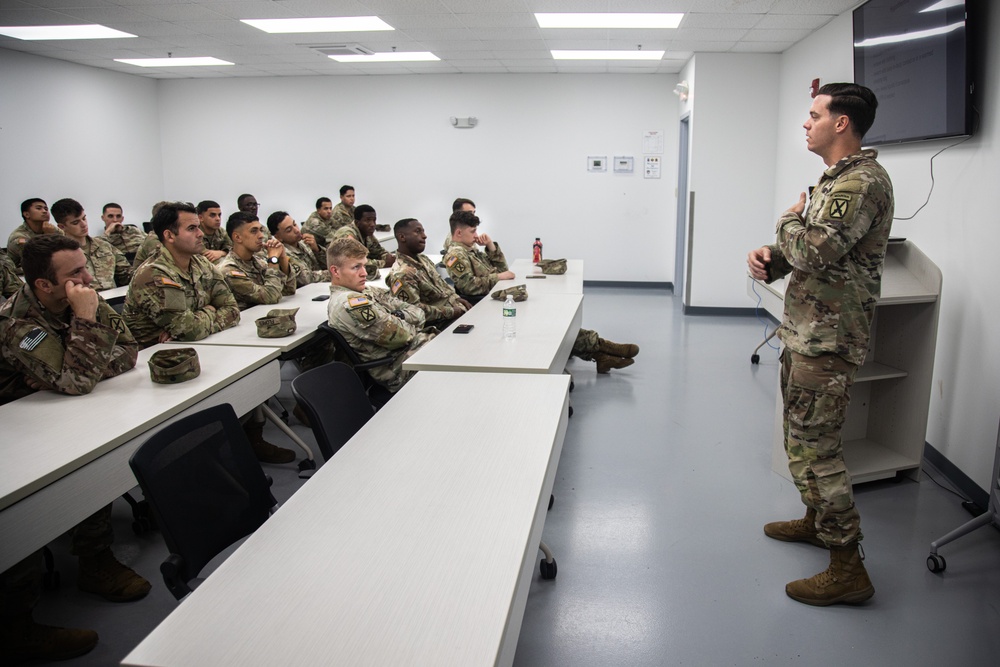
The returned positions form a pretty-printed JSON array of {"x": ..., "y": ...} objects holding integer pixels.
[
  {"x": 277, "y": 324},
  {"x": 174, "y": 365},
  {"x": 552, "y": 267},
  {"x": 519, "y": 292}
]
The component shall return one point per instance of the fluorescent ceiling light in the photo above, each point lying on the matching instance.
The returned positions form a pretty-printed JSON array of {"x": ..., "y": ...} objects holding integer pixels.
[
  {"x": 608, "y": 20},
  {"x": 330, "y": 24},
  {"x": 205, "y": 61},
  {"x": 910, "y": 36},
  {"x": 608, "y": 55},
  {"x": 943, "y": 4},
  {"x": 389, "y": 57},
  {"x": 44, "y": 32}
]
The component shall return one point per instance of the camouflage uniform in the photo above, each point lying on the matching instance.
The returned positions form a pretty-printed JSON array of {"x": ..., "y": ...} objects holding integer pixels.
[
  {"x": 308, "y": 265},
  {"x": 835, "y": 258},
  {"x": 318, "y": 226},
  {"x": 474, "y": 271},
  {"x": 16, "y": 241},
  {"x": 189, "y": 306},
  {"x": 343, "y": 215},
  {"x": 9, "y": 282},
  {"x": 367, "y": 321},
  {"x": 106, "y": 264},
  {"x": 150, "y": 247},
  {"x": 126, "y": 241},
  {"x": 255, "y": 282},
  {"x": 376, "y": 253},
  {"x": 416, "y": 281},
  {"x": 218, "y": 240}
]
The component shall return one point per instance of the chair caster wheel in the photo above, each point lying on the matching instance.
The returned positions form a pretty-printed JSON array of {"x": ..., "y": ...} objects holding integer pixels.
[
  {"x": 754, "y": 358},
  {"x": 307, "y": 464},
  {"x": 936, "y": 564},
  {"x": 548, "y": 569}
]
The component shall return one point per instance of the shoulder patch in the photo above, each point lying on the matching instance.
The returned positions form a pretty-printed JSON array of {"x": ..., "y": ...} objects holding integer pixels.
[
  {"x": 22, "y": 240},
  {"x": 450, "y": 260},
  {"x": 167, "y": 282},
  {"x": 358, "y": 301},
  {"x": 33, "y": 338},
  {"x": 840, "y": 205},
  {"x": 237, "y": 273},
  {"x": 396, "y": 286}
]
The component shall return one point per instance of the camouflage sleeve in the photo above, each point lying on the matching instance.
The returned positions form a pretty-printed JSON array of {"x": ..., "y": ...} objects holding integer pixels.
[
  {"x": 466, "y": 281},
  {"x": 340, "y": 218},
  {"x": 123, "y": 270},
  {"x": 15, "y": 246},
  {"x": 372, "y": 323},
  {"x": 247, "y": 291},
  {"x": 779, "y": 266},
  {"x": 126, "y": 348},
  {"x": 404, "y": 286},
  {"x": 9, "y": 282},
  {"x": 150, "y": 247},
  {"x": 225, "y": 313},
  {"x": 834, "y": 225},
  {"x": 305, "y": 274},
  {"x": 90, "y": 355},
  {"x": 496, "y": 258},
  {"x": 376, "y": 252},
  {"x": 414, "y": 315},
  {"x": 289, "y": 282}
]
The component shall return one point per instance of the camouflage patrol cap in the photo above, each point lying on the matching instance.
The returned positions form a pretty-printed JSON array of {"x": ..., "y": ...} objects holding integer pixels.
[
  {"x": 519, "y": 292},
  {"x": 552, "y": 267},
  {"x": 174, "y": 365},
  {"x": 278, "y": 323}
]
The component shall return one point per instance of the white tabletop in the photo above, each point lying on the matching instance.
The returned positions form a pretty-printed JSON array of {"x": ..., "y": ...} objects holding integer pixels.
[
  {"x": 547, "y": 324},
  {"x": 570, "y": 282},
  {"x": 414, "y": 545}
]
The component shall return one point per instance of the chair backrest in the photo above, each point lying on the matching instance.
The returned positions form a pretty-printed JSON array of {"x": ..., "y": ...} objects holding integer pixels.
[
  {"x": 335, "y": 402},
  {"x": 341, "y": 343},
  {"x": 205, "y": 487}
]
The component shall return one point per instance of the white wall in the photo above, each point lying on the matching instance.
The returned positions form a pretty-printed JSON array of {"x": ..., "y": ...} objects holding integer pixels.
[
  {"x": 67, "y": 130},
  {"x": 733, "y": 107},
  {"x": 958, "y": 230},
  {"x": 290, "y": 140}
]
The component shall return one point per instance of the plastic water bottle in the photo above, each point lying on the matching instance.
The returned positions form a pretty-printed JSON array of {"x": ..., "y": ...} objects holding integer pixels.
[
  {"x": 509, "y": 322},
  {"x": 536, "y": 251}
]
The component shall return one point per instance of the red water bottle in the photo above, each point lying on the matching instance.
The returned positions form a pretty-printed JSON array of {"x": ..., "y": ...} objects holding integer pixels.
[{"x": 536, "y": 251}]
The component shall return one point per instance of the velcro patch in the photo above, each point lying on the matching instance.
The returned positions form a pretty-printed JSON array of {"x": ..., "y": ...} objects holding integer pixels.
[
  {"x": 22, "y": 240},
  {"x": 358, "y": 302},
  {"x": 34, "y": 337},
  {"x": 237, "y": 273},
  {"x": 167, "y": 282},
  {"x": 450, "y": 261},
  {"x": 396, "y": 286}
]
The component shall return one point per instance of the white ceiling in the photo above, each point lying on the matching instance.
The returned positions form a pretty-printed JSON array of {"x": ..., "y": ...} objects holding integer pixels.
[{"x": 470, "y": 36}]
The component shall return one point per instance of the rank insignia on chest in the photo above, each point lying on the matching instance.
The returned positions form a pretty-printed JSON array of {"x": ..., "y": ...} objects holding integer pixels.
[
  {"x": 167, "y": 282},
  {"x": 34, "y": 337},
  {"x": 839, "y": 206},
  {"x": 450, "y": 261},
  {"x": 358, "y": 302},
  {"x": 396, "y": 286}
]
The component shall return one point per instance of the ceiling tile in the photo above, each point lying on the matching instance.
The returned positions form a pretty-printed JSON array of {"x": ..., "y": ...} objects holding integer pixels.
[
  {"x": 720, "y": 21},
  {"x": 830, "y": 7},
  {"x": 775, "y": 35},
  {"x": 498, "y": 20},
  {"x": 794, "y": 21},
  {"x": 410, "y": 21}
]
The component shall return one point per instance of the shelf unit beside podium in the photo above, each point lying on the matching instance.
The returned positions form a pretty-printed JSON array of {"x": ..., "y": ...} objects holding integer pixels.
[{"x": 887, "y": 419}]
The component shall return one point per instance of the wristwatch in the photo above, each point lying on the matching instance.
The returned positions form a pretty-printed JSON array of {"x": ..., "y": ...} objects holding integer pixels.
[{"x": 272, "y": 260}]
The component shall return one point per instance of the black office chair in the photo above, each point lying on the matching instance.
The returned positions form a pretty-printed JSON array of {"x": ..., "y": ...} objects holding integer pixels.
[
  {"x": 205, "y": 487},
  {"x": 377, "y": 394},
  {"x": 335, "y": 401}
]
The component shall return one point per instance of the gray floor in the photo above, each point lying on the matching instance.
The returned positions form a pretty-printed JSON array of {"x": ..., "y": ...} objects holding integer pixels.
[{"x": 662, "y": 489}]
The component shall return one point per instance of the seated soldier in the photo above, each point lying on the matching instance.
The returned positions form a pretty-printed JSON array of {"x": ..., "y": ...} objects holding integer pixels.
[
  {"x": 460, "y": 204},
  {"x": 415, "y": 280},
  {"x": 105, "y": 263},
  {"x": 362, "y": 230},
  {"x": 308, "y": 259},
  {"x": 343, "y": 212},
  {"x": 126, "y": 238},
  {"x": 150, "y": 246},
  {"x": 35, "y": 221},
  {"x": 249, "y": 204},
  {"x": 57, "y": 334},
  {"x": 375, "y": 323},
  {"x": 475, "y": 273},
  {"x": 319, "y": 222},
  {"x": 252, "y": 279},
  {"x": 216, "y": 240}
]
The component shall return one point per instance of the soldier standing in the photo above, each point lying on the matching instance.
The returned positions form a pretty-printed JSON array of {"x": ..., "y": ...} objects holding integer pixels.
[{"x": 834, "y": 249}]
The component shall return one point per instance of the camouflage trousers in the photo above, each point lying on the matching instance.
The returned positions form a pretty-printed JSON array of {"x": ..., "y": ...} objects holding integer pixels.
[
  {"x": 815, "y": 395},
  {"x": 392, "y": 376},
  {"x": 586, "y": 345}
]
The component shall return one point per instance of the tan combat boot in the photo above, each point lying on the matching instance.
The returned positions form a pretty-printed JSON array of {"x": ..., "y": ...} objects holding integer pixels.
[
  {"x": 104, "y": 575},
  {"x": 262, "y": 449},
  {"x": 798, "y": 530},
  {"x": 607, "y": 362},
  {"x": 627, "y": 350},
  {"x": 22, "y": 639},
  {"x": 845, "y": 581}
]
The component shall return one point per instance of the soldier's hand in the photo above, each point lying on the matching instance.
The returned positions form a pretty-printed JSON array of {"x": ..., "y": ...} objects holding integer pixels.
[
  {"x": 506, "y": 275},
  {"x": 115, "y": 228},
  {"x": 82, "y": 300},
  {"x": 311, "y": 242},
  {"x": 165, "y": 337},
  {"x": 465, "y": 304},
  {"x": 214, "y": 255},
  {"x": 800, "y": 206},
  {"x": 35, "y": 383},
  {"x": 485, "y": 240},
  {"x": 757, "y": 261},
  {"x": 49, "y": 228},
  {"x": 275, "y": 248},
  {"x": 389, "y": 259}
]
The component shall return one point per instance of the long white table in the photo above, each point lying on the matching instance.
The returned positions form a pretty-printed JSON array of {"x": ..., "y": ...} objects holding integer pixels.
[
  {"x": 547, "y": 325},
  {"x": 570, "y": 282},
  {"x": 414, "y": 546},
  {"x": 65, "y": 457}
]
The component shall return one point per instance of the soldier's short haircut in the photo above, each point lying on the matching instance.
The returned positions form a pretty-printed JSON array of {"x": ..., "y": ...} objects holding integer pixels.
[
  {"x": 321, "y": 201},
  {"x": 207, "y": 204},
  {"x": 65, "y": 208},
  {"x": 242, "y": 198},
  {"x": 28, "y": 203},
  {"x": 156, "y": 208},
  {"x": 276, "y": 219},
  {"x": 856, "y": 102},
  {"x": 110, "y": 204},
  {"x": 462, "y": 219},
  {"x": 344, "y": 248},
  {"x": 168, "y": 216},
  {"x": 359, "y": 212},
  {"x": 344, "y": 189},
  {"x": 36, "y": 260},
  {"x": 238, "y": 219},
  {"x": 460, "y": 202},
  {"x": 402, "y": 224}
]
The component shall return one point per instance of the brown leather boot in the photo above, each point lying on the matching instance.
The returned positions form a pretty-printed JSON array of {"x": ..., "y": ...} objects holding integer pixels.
[
  {"x": 262, "y": 449},
  {"x": 797, "y": 530},
  {"x": 844, "y": 582},
  {"x": 606, "y": 362},
  {"x": 22, "y": 639},
  {"x": 627, "y": 350},
  {"x": 104, "y": 575}
]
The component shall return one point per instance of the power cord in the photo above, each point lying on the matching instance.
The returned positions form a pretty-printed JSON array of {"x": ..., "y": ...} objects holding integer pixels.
[{"x": 766, "y": 324}]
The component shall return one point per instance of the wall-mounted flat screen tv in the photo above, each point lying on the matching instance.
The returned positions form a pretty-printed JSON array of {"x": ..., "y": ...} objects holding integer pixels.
[{"x": 914, "y": 54}]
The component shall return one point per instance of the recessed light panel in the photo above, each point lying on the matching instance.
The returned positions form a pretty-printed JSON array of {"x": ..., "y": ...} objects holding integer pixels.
[
  {"x": 329, "y": 24},
  {"x": 608, "y": 55},
  {"x": 390, "y": 57},
  {"x": 52, "y": 32},
  {"x": 647, "y": 21},
  {"x": 173, "y": 62}
]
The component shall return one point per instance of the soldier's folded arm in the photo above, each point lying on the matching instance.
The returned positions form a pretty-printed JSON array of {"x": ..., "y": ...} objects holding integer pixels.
[
  {"x": 779, "y": 266},
  {"x": 846, "y": 217}
]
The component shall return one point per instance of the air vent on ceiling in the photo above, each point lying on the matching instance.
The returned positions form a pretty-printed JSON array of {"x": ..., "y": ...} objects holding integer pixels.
[{"x": 341, "y": 49}]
